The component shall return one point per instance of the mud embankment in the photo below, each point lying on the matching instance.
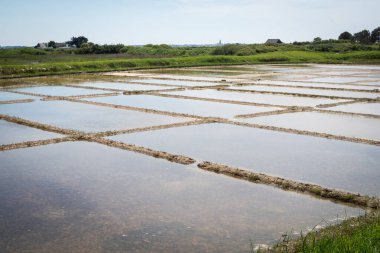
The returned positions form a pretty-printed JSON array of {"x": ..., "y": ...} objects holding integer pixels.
[
  {"x": 16, "y": 101},
  {"x": 74, "y": 135},
  {"x": 276, "y": 112},
  {"x": 50, "y": 98},
  {"x": 286, "y": 184},
  {"x": 40, "y": 126},
  {"x": 349, "y": 113},
  {"x": 262, "y": 83},
  {"x": 345, "y": 103},
  {"x": 138, "y": 109},
  {"x": 28, "y": 144},
  {"x": 153, "y": 128},
  {"x": 303, "y": 132},
  {"x": 146, "y": 151},
  {"x": 293, "y": 94},
  {"x": 221, "y": 100}
]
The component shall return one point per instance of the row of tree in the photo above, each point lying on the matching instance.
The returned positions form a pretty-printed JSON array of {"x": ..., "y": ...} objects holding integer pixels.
[
  {"x": 74, "y": 42},
  {"x": 362, "y": 37}
]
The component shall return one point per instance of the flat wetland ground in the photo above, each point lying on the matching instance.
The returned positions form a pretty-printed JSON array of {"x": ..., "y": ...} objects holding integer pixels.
[
  {"x": 241, "y": 158},
  {"x": 17, "y": 63}
]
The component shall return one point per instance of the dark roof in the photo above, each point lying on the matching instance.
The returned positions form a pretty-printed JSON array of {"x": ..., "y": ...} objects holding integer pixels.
[
  {"x": 60, "y": 44},
  {"x": 273, "y": 41}
]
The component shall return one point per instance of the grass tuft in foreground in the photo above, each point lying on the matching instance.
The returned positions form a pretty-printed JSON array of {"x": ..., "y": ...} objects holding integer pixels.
[{"x": 356, "y": 235}]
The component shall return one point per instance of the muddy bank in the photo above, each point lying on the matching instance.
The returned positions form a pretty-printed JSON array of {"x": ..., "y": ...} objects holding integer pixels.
[
  {"x": 276, "y": 112},
  {"x": 289, "y": 94},
  {"x": 286, "y": 184},
  {"x": 40, "y": 126},
  {"x": 137, "y": 92},
  {"x": 28, "y": 93},
  {"x": 375, "y": 90},
  {"x": 142, "y": 75},
  {"x": 138, "y": 109},
  {"x": 306, "y": 109},
  {"x": 303, "y": 132},
  {"x": 346, "y": 103},
  {"x": 152, "y": 128},
  {"x": 170, "y": 88},
  {"x": 221, "y": 100},
  {"x": 28, "y": 144},
  {"x": 94, "y": 137},
  {"x": 146, "y": 151},
  {"x": 349, "y": 113},
  {"x": 16, "y": 101},
  {"x": 49, "y": 98}
]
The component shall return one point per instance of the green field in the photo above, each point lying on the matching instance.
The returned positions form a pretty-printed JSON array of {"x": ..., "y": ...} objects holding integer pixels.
[{"x": 23, "y": 65}]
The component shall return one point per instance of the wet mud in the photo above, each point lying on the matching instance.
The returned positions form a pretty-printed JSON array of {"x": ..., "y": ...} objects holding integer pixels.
[{"x": 286, "y": 184}]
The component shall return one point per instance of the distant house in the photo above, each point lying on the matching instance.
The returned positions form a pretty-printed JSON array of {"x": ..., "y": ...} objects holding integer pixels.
[
  {"x": 64, "y": 45},
  {"x": 41, "y": 45},
  {"x": 61, "y": 44},
  {"x": 274, "y": 41},
  {"x": 57, "y": 45}
]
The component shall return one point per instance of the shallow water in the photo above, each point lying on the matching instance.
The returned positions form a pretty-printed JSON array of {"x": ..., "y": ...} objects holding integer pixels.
[
  {"x": 331, "y": 163},
  {"x": 175, "y": 82},
  {"x": 123, "y": 86},
  {"x": 366, "y": 108},
  {"x": 57, "y": 198},
  {"x": 343, "y": 72},
  {"x": 196, "y": 72},
  {"x": 345, "y": 67},
  {"x": 7, "y": 96},
  {"x": 340, "y": 80},
  {"x": 186, "y": 106},
  {"x": 243, "y": 68},
  {"x": 293, "y": 76},
  {"x": 347, "y": 94},
  {"x": 256, "y": 98},
  {"x": 372, "y": 74},
  {"x": 345, "y": 125},
  {"x": 309, "y": 84},
  {"x": 84, "y": 117},
  {"x": 59, "y": 91},
  {"x": 371, "y": 82},
  {"x": 14, "y": 133}
]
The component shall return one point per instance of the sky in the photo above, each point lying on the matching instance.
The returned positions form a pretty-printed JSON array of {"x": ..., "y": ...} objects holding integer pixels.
[{"x": 139, "y": 22}]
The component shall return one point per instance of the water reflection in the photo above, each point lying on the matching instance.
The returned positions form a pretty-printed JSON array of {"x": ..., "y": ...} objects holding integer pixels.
[
  {"x": 84, "y": 117},
  {"x": 336, "y": 164},
  {"x": 83, "y": 197}
]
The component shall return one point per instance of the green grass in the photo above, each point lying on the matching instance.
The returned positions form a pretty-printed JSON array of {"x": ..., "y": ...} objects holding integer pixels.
[
  {"x": 64, "y": 64},
  {"x": 357, "y": 235}
]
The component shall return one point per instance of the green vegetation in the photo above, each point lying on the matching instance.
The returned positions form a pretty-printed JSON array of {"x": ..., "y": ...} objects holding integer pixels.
[
  {"x": 360, "y": 234},
  {"x": 79, "y": 55},
  {"x": 35, "y": 64}
]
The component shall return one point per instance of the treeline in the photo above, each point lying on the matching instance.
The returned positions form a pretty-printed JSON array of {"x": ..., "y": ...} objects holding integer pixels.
[
  {"x": 142, "y": 51},
  {"x": 346, "y": 42},
  {"x": 362, "y": 37}
]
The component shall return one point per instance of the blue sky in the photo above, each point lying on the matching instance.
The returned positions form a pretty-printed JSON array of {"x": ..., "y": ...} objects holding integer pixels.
[{"x": 26, "y": 22}]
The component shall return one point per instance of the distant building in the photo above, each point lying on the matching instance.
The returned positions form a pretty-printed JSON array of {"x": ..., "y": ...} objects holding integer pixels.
[
  {"x": 273, "y": 41},
  {"x": 57, "y": 45},
  {"x": 62, "y": 45},
  {"x": 41, "y": 45}
]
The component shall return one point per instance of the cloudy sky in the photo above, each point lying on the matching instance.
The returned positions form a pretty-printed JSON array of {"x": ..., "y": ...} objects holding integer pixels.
[{"x": 26, "y": 22}]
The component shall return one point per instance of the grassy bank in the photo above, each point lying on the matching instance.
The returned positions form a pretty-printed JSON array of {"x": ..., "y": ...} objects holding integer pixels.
[
  {"x": 360, "y": 234},
  {"x": 78, "y": 65}
]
